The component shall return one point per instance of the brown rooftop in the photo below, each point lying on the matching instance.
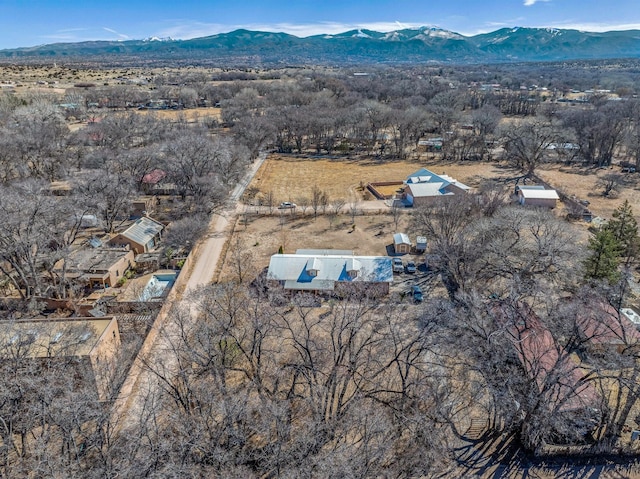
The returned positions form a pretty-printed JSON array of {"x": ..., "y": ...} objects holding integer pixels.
[{"x": 37, "y": 338}]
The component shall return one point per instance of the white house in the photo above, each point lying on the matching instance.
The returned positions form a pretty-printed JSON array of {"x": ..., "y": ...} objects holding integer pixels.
[
  {"x": 537, "y": 195},
  {"x": 328, "y": 270},
  {"x": 424, "y": 186}
]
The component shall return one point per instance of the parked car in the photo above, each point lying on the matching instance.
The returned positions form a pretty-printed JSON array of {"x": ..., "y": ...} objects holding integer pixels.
[
  {"x": 416, "y": 292},
  {"x": 286, "y": 204},
  {"x": 398, "y": 266},
  {"x": 411, "y": 267}
]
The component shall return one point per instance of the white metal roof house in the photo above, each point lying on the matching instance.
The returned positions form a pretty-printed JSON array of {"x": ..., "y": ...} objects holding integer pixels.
[
  {"x": 142, "y": 236},
  {"x": 322, "y": 270},
  {"x": 536, "y": 195},
  {"x": 528, "y": 187},
  {"x": 423, "y": 186}
]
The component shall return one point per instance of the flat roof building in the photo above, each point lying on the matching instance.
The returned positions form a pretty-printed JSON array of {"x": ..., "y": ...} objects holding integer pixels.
[
  {"x": 97, "y": 267},
  {"x": 86, "y": 347}
]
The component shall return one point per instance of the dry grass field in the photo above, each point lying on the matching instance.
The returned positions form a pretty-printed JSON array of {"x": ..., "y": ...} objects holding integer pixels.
[
  {"x": 290, "y": 178},
  {"x": 581, "y": 182},
  {"x": 192, "y": 115}
]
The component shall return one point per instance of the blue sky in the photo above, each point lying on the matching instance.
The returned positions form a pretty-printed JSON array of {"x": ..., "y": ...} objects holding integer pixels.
[{"x": 34, "y": 22}]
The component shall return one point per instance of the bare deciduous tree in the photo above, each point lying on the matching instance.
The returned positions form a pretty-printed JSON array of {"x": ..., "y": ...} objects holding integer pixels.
[
  {"x": 610, "y": 183},
  {"x": 526, "y": 143}
]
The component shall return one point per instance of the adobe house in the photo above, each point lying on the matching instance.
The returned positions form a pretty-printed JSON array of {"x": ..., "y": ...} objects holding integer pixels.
[
  {"x": 603, "y": 329},
  {"x": 430, "y": 144},
  {"x": 151, "y": 180},
  {"x": 330, "y": 270},
  {"x": 142, "y": 236},
  {"x": 537, "y": 195},
  {"x": 143, "y": 206},
  {"x": 99, "y": 267},
  {"x": 401, "y": 243},
  {"x": 424, "y": 186},
  {"x": 60, "y": 188},
  {"x": 541, "y": 357},
  {"x": 85, "y": 347}
]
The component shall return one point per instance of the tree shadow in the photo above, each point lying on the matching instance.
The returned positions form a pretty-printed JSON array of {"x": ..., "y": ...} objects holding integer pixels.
[
  {"x": 300, "y": 224},
  {"x": 477, "y": 457},
  {"x": 501, "y": 456}
]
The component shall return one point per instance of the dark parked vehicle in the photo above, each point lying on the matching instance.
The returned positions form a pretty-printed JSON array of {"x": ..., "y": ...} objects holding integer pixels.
[
  {"x": 416, "y": 292},
  {"x": 411, "y": 267}
]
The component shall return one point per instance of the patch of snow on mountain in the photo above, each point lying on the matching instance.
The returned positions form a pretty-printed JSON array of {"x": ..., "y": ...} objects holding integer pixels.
[
  {"x": 499, "y": 40},
  {"x": 392, "y": 36},
  {"x": 439, "y": 33},
  {"x": 158, "y": 39}
]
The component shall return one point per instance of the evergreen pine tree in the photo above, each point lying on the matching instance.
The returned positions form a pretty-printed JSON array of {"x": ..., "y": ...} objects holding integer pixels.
[
  {"x": 603, "y": 261},
  {"x": 624, "y": 229}
]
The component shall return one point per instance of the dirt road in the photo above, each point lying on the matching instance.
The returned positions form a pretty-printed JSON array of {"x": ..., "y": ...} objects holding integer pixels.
[{"x": 198, "y": 271}]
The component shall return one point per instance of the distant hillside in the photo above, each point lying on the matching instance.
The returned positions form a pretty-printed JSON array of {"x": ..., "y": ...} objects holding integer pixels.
[{"x": 425, "y": 44}]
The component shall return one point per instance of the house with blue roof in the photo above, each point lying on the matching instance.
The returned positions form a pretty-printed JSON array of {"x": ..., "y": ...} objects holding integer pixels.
[
  {"x": 423, "y": 186},
  {"x": 329, "y": 271}
]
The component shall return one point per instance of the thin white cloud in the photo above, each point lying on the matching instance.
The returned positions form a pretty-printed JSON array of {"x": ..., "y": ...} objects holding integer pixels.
[
  {"x": 121, "y": 35},
  {"x": 69, "y": 30},
  {"x": 66, "y": 35},
  {"x": 528, "y": 3},
  {"x": 595, "y": 27},
  {"x": 563, "y": 24},
  {"x": 504, "y": 23}
]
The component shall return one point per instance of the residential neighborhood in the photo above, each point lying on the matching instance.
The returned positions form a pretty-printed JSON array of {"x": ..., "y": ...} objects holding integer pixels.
[{"x": 321, "y": 273}]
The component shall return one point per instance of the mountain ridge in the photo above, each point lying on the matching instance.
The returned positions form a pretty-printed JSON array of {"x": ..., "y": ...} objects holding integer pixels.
[{"x": 409, "y": 45}]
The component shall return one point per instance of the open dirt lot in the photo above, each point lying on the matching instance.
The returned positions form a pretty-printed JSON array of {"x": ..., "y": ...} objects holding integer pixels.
[{"x": 263, "y": 236}]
